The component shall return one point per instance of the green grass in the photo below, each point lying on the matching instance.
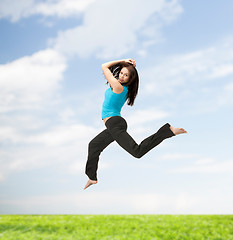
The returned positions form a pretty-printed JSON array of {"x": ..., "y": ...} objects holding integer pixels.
[{"x": 114, "y": 227}]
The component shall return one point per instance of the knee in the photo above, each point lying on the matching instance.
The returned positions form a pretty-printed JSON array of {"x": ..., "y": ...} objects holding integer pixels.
[
  {"x": 137, "y": 155},
  {"x": 92, "y": 144}
]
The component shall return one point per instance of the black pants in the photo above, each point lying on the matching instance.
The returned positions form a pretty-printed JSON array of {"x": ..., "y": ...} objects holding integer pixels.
[{"x": 116, "y": 131}]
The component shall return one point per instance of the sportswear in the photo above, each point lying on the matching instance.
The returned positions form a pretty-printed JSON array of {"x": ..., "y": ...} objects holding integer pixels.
[
  {"x": 113, "y": 102},
  {"x": 116, "y": 130}
]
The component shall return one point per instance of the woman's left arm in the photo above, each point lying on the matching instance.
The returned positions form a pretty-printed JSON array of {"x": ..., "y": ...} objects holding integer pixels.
[{"x": 111, "y": 63}]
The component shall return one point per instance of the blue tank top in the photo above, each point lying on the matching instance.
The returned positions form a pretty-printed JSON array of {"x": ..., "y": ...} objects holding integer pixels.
[{"x": 113, "y": 102}]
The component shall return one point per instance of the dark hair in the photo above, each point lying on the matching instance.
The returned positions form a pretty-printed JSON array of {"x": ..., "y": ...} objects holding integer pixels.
[{"x": 133, "y": 82}]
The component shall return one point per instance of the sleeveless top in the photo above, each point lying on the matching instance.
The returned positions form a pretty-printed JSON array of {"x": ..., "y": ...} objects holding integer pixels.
[{"x": 113, "y": 102}]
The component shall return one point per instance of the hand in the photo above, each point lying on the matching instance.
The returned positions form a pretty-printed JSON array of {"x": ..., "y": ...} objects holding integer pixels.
[{"x": 131, "y": 61}]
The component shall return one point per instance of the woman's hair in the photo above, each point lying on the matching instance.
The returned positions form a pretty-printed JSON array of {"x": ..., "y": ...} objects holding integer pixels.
[{"x": 133, "y": 82}]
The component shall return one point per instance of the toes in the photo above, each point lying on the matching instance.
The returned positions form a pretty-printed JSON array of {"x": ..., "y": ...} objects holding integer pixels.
[{"x": 87, "y": 185}]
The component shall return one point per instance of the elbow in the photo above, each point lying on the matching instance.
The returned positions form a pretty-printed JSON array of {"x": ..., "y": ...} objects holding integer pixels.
[{"x": 103, "y": 66}]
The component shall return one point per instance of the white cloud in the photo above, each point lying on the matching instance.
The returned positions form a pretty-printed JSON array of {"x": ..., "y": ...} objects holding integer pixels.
[
  {"x": 111, "y": 28},
  {"x": 7, "y": 132},
  {"x": 222, "y": 70},
  {"x": 200, "y": 79},
  {"x": 144, "y": 116},
  {"x": 63, "y": 135},
  {"x": 30, "y": 101},
  {"x": 205, "y": 161},
  {"x": 55, "y": 136},
  {"x": 206, "y": 165},
  {"x": 225, "y": 95},
  {"x": 177, "y": 156},
  {"x": 30, "y": 80},
  {"x": 198, "y": 164},
  {"x": 62, "y": 8},
  {"x": 2, "y": 178},
  {"x": 15, "y": 10},
  {"x": 174, "y": 71},
  {"x": 65, "y": 146}
]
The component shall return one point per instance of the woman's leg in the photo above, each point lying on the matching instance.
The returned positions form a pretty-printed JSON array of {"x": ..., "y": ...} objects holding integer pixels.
[
  {"x": 95, "y": 147},
  {"x": 117, "y": 126}
]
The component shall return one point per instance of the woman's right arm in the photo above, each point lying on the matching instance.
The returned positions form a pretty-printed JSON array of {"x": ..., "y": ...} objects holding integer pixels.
[{"x": 109, "y": 76}]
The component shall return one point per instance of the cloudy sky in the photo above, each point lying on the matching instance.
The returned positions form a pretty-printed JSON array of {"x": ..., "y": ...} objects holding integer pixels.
[{"x": 52, "y": 89}]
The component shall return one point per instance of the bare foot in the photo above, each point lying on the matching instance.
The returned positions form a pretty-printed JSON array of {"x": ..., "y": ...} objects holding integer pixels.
[
  {"x": 89, "y": 183},
  {"x": 177, "y": 131}
]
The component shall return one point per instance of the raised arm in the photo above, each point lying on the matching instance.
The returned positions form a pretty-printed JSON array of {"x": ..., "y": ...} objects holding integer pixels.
[{"x": 115, "y": 84}]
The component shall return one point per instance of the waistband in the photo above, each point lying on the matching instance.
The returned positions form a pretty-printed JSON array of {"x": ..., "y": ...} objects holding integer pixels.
[{"x": 115, "y": 120}]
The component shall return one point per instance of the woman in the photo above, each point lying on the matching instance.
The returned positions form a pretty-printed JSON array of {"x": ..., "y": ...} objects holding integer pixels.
[{"x": 123, "y": 79}]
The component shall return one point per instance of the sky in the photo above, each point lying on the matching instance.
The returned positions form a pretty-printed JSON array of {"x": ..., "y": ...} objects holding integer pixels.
[{"x": 52, "y": 89}]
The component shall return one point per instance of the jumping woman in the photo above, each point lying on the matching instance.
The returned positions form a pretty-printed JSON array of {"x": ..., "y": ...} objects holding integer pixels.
[{"x": 123, "y": 79}]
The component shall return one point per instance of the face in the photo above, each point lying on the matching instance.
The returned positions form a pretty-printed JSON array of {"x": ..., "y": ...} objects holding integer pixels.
[{"x": 124, "y": 75}]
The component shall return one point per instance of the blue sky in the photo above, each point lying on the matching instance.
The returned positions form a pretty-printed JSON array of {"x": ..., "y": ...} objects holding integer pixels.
[{"x": 52, "y": 89}]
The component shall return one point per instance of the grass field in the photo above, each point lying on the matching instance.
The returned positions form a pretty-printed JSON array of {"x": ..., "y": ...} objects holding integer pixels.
[{"x": 114, "y": 227}]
